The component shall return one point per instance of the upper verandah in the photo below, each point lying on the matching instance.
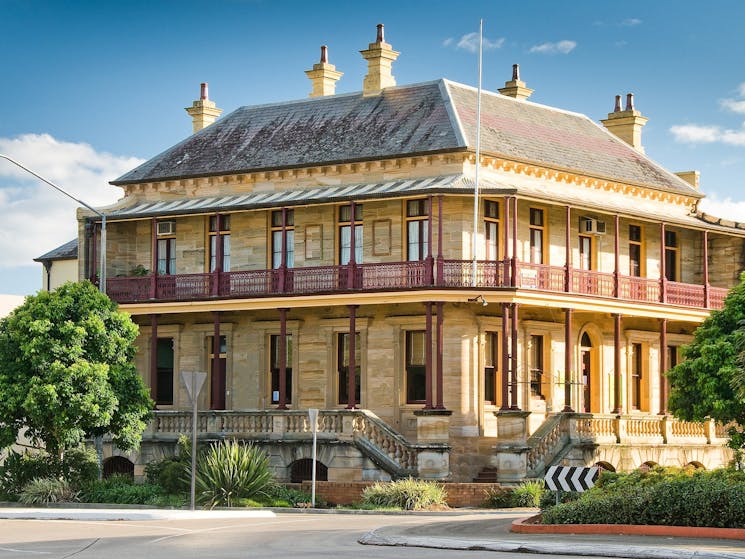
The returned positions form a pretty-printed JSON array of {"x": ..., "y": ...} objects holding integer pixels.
[{"x": 404, "y": 121}]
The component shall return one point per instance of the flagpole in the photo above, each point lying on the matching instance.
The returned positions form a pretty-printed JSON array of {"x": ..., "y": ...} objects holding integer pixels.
[{"x": 478, "y": 161}]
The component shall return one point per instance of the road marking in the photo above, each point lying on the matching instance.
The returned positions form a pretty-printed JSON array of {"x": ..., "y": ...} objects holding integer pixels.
[
  {"x": 24, "y": 551},
  {"x": 226, "y": 527}
]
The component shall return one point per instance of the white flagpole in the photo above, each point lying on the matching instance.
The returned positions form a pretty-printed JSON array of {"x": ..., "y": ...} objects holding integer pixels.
[{"x": 478, "y": 160}]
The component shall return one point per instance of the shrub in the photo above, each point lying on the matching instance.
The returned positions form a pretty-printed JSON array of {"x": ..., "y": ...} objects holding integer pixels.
[
  {"x": 230, "y": 470},
  {"x": 78, "y": 467},
  {"x": 282, "y": 496},
  {"x": 42, "y": 491},
  {"x": 172, "y": 472},
  {"x": 121, "y": 490},
  {"x": 406, "y": 494},
  {"x": 528, "y": 493},
  {"x": 548, "y": 499},
  {"x": 663, "y": 496},
  {"x": 498, "y": 497}
]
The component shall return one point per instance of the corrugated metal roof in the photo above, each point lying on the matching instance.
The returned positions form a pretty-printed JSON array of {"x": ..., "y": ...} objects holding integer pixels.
[
  {"x": 326, "y": 194},
  {"x": 431, "y": 117},
  {"x": 68, "y": 251}
]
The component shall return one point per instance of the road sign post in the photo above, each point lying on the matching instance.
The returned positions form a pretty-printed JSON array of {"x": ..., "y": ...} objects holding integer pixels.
[
  {"x": 313, "y": 415},
  {"x": 193, "y": 383}
]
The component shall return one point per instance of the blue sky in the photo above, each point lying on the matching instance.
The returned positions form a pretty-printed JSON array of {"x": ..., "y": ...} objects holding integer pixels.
[{"x": 90, "y": 88}]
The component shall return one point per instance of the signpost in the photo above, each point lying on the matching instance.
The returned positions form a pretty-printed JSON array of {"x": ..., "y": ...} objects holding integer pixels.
[
  {"x": 570, "y": 478},
  {"x": 313, "y": 415},
  {"x": 193, "y": 382}
]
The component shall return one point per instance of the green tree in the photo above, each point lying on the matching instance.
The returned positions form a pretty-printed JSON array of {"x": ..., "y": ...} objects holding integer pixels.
[
  {"x": 67, "y": 372},
  {"x": 704, "y": 384}
]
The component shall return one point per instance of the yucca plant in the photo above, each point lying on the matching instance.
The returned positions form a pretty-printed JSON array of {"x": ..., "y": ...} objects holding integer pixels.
[
  {"x": 41, "y": 491},
  {"x": 230, "y": 470},
  {"x": 528, "y": 493}
]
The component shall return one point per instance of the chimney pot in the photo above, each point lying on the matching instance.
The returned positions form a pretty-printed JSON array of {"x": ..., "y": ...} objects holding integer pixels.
[
  {"x": 324, "y": 54},
  {"x": 515, "y": 72},
  {"x": 204, "y": 91},
  {"x": 617, "y": 108},
  {"x": 629, "y": 101},
  {"x": 380, "y": 38}
]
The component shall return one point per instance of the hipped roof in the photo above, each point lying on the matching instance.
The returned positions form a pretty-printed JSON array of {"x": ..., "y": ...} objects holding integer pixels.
[{"x": 420, "y": 119}]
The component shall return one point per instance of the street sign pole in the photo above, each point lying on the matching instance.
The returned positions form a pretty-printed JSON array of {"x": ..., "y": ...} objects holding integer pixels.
[
  {"x": 193, "y": 383},
  {"x": 313, "y": 414}
]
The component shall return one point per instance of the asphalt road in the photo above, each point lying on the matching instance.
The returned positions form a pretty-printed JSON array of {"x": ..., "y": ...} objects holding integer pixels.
[{"x": 286, "y": 535}]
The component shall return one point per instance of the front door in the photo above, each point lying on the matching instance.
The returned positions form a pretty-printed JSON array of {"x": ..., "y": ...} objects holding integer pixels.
[{"x": 586, "y": 364}]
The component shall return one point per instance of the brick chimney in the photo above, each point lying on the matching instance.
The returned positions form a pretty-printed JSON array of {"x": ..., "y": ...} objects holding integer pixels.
[
  {"x": 203, "y": 112},
  {"x": 626, "y": 124},
  {"x": 323, "y": 76},
  {"x": 380, "y": 57},
  {"x": 515, "y": 88}
]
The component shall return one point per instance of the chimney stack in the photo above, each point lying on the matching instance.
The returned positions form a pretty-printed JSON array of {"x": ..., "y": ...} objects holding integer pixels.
[
  {"x": 380, "y": 57},
  {"x": 323, "y": 76},
  {"x": 691, "y": 177},
  {"x": 203, "y": 112},
  {"x": 626, "y": 124},
  {"x": 515, "y": 88}
]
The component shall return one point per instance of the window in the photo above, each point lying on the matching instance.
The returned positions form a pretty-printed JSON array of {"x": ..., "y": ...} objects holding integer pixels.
[
  {"x": 345, "y": 233},
  {"x": 218, "y": 377},
  {"x": 164, "y": 372},
  {"x": 415, "y": 367},
  {"x": 635, "y": 250},
  {"x": 672, "y": 356},
  {"x": 342, "y": 360},
  {"x": 671, "y": 255},
  {"x": 636, "y": 376},
  {"x": 585, "y": 252},
  {"x": 491, "y": 367},
  {"x": 277, "y": 231},
  {"x": 166, "y": 255},
  {"x": 417, "y": 225},
  {"x": 536, "y": 236},
  {"x": 491, "y": 229},
  {"x": 222, "y": 236},
  {"x": 274, "y": 367},
  {"x": 536, "y": 365}
]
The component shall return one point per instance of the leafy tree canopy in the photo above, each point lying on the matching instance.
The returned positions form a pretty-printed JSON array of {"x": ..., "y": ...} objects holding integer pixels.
[
  {"x": 67, "y": 371},
  {"x": 704, "y": 384}
]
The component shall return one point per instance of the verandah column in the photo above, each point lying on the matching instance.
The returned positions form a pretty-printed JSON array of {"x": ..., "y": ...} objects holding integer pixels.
[
  {"x": 568, "y": 351},
  {"x": 218, "y": 255},
  {"x": 352, "y": 371},
  {"x": 616, "y": 257},
  {"x": 429, "y": 260},
  {"x": 282, "y": 403},
  {"x": 218, "y": 391},
  {"x": 663, "y": 272},
  {"x": 352, "y": 264},
  {"x": 514, "y": 241},
  {"x": 440, "y": 258},
  {"x": 568, "y": 251},
  {"x": 663, "y": 366},
  {"x": 440, "y": 380},
  {"x": 506, "y": 281},
  {"x": 428, "y": 358},
  {"x": 505, "y": 358},
  {"x": 706, "y": 269},
  {"x": 513, "y": 357},
  {"x": 153, "y": 258},
  {"x": 153, "y": 356},
  {"x": 283, "y": 254},
  {"x": 616, "y": 363}
]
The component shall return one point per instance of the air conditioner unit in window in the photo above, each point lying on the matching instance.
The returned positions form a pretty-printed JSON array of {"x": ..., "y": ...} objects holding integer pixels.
[
  {"x": 591, "y": 226},
  {"x": 166, "y": 228}
]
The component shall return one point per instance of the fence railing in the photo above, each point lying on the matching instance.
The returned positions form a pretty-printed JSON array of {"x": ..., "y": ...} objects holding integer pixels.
[{"x": 428, "y": 273}]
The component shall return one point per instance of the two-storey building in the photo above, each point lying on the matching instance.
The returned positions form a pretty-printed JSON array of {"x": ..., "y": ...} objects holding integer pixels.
[{"x": 447, "y": 315}]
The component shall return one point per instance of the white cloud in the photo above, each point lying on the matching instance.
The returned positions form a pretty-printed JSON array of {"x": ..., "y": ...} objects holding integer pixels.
[
  {"x": 470, "y": 42},
  {"x": 35, "y": 218},
  {"x": 727, "y": 208},
  {"x": 733, "y": 105},
  {"x": 741, "y": 89},
  {"x": 562, "y": 47},
  {"x": 697, "y": 134},
  {"x": 631, "y": 22}
]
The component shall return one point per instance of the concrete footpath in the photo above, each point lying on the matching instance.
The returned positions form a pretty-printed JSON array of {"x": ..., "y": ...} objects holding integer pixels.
[
  {"x": 492, "y": 534},
  {"x": 457, "y": 530}
]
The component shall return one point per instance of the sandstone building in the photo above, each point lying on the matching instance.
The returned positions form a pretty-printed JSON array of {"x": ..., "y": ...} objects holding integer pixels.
[{"x": 320, "y": 254}]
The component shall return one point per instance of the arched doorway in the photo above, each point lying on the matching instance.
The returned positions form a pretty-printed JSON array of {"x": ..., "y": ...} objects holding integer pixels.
[
  {"x": 586, "y": 366},
  {"x": 118, "y": 465},
  {"x": 607, "y": 466},
  {"x": 302, "y": 470}
]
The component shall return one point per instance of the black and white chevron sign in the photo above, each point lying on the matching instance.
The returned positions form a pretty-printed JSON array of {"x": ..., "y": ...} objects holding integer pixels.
[{"x": 570, "y": 478}]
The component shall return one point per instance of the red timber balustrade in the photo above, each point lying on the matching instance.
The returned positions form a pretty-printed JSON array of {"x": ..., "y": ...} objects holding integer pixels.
[{"x": 410, "y": 275}]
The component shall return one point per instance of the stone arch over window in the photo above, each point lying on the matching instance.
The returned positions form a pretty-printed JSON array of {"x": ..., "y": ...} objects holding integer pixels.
[
  {"x": 606, "y": 466},
  {"x": 302, "y": 470},
  {"x": 588, "y": 367},
  {"x": 118, "y": 465},
  {"x": 696, "y": 465},
  {"x": 648, "y": 465}
]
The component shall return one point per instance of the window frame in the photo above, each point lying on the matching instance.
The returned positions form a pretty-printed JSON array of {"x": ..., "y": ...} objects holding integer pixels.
[
  {"x": 537, "y": 231},
  {"x": 420, "y": 220},
  {"x": 342, "y": 367},
  {"x": 414, "y": 371},
  {"x": 272, "y": 346},
  {"x": 212, "y": 236},
  {"x": 641, "y": 247},
  {"x": 672, "y": 273},
  {"x": 275, "y": 238},
  {"x": 345, "y": 225}
]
